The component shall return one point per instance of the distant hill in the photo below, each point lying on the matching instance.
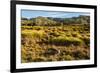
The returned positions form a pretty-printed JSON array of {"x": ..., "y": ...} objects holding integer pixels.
[{"x": 50, "y": 21}]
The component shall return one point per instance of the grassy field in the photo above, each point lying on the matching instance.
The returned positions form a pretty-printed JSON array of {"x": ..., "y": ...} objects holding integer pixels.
[{"x": 55, "y": 43}]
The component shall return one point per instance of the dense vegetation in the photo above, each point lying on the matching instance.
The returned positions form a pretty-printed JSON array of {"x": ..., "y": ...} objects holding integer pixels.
[{"x": 55, "y": 39}]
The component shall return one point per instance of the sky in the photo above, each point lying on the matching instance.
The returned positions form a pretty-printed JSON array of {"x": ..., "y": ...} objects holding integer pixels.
[{"x": 56, "y": 14}]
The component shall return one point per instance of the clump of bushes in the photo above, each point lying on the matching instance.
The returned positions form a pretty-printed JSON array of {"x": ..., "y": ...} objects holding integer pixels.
[
  {"x": 23, "y": 55},
  {"x": 38, "y": 28},
  {"x": 26, "y": 27},
  {"x": 68, "y": 57},
  {"x": 80, "y": 54},
  {"x": 55, "y": 34},
  {"x": 75, "y": 41},
  {"x": 39, "y": 59},
  {"x": 68, "y": 34},
  {"x": 65, "y": 58},
  {"x": 86, "y": 40},
  {"x": 26, "y": 55},
  {"x": 34, "y": 33},
  {"x": 67, "y": 41},
  {"x": 76, "y": 34}
]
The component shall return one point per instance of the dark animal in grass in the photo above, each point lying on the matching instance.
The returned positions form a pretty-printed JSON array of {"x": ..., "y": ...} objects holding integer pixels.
[{"x": 51, "y": 51}]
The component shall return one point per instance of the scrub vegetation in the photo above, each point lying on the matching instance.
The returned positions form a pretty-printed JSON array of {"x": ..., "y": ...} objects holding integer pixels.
[{"x": 45, "y": 39}]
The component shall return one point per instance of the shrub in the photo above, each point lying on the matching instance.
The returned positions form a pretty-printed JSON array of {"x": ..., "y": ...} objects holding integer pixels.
[
  {"x": 32, "y": 33},
  {"x": 68, "y": 57},
  {"x": 88, "y": 35},
  {"x": 76, "y": 34},
  {"x": 23, "y": 55},
  {"x": 26, "y": 27},
  {"x": 65, "y": 58},
  {"x": 54, "y": 34},
  {"x": 80, "y": 54},
  {"x": 74, "y": 29},
  {"x": 65, "y": 41},
  {"x": 37, "y": 27},
  {"x": 75, "y": 41},
  {"x": 38, "y": 59},
  {"x": 68, "y": 34},
  {"x": 58, "y": 41},
  {"x": 86, "y": 40}
]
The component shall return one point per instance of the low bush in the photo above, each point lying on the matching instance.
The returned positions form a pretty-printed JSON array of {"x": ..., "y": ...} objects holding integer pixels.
[
  {"x": 75, "y": 41},
  {"x": 80, "y": 54},
  {"x": 67, "y": 41},
  {"x": 65, "y": 58},
  {"x": 39, "y": 59},
  {"x": 34, "y": 33},
  {"x": 37, "y": 27},
  {"x": 23, "y": 55},
  {"x": 54, "y": 34},
  {"x": 76, "y": 34},
  {"x": 68, "y": 57},
  {"x": 86, "y": 40}
]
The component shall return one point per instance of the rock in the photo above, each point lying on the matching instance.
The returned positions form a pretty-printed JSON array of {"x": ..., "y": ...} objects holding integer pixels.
[{"x": 51, "y": 51}]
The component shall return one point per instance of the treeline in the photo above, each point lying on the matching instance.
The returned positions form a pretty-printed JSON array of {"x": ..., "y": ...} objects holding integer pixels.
[{"x": 50, "y": 21}]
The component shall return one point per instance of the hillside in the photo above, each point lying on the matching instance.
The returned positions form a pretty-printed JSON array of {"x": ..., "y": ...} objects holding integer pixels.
[{"x": 50, "y": 21}]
